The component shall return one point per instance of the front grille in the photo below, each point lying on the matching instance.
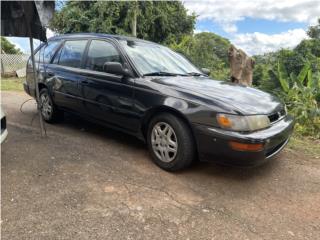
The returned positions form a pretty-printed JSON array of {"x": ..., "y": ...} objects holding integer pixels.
[
  {"x": 3, "y": 124},
  {"x": 277, "y": 115}
]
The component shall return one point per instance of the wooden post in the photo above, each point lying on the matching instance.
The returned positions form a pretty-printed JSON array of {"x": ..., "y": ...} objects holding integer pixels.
[
  {"x": 2, "y": 67},
  {"x": 35, "y": 76},
  {"x": 35, "y": 80}
]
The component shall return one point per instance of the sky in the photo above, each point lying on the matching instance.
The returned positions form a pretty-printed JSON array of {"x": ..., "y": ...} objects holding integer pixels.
[{"x": 256, "y": 26}]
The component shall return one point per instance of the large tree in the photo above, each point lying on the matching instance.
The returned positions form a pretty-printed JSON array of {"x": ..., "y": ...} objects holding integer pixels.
[
  {"x": 314, "y": 31},
  {"x": 8, "y": 47},
  {"x": 159, "y": 21}
]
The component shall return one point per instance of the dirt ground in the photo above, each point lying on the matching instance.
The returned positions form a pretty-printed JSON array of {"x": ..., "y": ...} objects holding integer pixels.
[{"x": 87, "y": 182}]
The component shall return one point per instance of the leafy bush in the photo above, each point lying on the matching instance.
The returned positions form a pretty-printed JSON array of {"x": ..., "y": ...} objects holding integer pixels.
[
  {"x": 294, "y": 75},
  {"x": 301, "y": 94}
]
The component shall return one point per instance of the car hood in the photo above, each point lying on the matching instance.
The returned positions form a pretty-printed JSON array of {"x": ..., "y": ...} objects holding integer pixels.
[{"x": 246, "y": 100}]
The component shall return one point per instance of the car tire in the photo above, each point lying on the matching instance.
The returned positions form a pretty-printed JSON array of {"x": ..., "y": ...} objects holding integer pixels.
[
  {"x": 49, "y": 111},
  {"x": 170, "y": 142}
]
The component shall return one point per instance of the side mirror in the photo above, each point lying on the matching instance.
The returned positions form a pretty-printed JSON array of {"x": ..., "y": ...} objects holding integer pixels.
[
  {"x": 206, "y": 71},
  {"x": 116, "y": 68}
]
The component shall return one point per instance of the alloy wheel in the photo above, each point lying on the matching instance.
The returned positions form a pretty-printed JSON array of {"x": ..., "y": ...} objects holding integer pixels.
[
  {"x": 46, "y": 105},
  {"x": 164, "y": 142}
]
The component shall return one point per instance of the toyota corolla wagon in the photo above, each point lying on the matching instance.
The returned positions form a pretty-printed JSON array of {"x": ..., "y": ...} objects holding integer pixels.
[{"x": 157, "y": 95}]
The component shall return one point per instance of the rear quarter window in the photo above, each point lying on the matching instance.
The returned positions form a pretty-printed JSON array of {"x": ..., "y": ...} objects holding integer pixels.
[
  {"x": 49, "y": 50},
  {"x": 45, "y": 53}
]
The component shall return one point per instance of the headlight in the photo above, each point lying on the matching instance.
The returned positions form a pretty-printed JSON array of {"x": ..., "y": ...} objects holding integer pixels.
[{"x": 243, "y": 123}]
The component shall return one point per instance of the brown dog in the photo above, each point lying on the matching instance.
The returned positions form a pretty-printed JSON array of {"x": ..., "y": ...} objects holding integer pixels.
[{"x": 241, "y": 66}]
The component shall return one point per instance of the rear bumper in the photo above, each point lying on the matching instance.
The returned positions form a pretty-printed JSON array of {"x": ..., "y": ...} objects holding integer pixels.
[{"x": 213, "y": 143}]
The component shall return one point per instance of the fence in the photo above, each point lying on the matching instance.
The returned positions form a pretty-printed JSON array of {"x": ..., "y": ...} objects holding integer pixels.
[{"x": 10, "y": 63}]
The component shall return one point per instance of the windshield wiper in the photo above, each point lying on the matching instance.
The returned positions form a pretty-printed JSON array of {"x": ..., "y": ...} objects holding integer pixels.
[
  {"x": 160, "y": 73},
  {"x": 195, "y": 74}
]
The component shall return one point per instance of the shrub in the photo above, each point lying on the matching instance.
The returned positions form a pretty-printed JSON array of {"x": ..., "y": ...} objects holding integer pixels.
[{"x": 301, "y": 93}]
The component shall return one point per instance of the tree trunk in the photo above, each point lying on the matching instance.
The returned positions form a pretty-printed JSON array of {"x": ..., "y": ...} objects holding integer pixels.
[
  {"x": 241, "y": 66},
  {"x": 134, "y": 21}
]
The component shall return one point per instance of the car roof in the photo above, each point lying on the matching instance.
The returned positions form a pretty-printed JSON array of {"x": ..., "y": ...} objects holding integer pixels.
[{"x": 99, "y": 35}]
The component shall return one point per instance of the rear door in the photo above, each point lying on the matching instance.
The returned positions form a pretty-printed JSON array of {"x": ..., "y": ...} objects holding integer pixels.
[
  {"x": 42, "y": 57},
  {"x": 107, "y": 97},
  {"x": 63, "y": 74}
]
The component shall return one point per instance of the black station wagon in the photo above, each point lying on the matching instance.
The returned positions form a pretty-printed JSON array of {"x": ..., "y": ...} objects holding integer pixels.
[{"x": 156, "y": 94}]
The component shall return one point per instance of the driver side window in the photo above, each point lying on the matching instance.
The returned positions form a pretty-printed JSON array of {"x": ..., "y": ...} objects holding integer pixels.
[{"x": 99, "y": 53}]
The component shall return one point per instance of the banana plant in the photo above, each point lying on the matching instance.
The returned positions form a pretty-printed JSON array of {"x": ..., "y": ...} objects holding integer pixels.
[
  {"x": 304, "y": 74},
  {"x": 301, "y": 94},
  {"x": 283, "y": 77},
  {"x": 303, "y": 79}
]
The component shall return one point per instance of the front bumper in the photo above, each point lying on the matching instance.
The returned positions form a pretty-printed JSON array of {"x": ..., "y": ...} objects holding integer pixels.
[{"x": 213, "y": 143}]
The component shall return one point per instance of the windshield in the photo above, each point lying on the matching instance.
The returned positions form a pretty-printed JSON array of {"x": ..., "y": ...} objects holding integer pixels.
[{"x": 156, "y": 59}]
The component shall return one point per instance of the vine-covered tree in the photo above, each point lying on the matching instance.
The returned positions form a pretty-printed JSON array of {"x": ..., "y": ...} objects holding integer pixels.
[
  {"x": 158, "y": 21},
  {"x": 8, "y": 47}
]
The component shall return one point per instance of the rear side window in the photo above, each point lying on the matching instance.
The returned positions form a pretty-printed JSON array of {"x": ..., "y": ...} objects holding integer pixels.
[
  {"x": 99, "y": 53},
  {"x": 46, "y": 52},
  {"x": 72, "y": 52},
  {"x": 49, "y": 50}
]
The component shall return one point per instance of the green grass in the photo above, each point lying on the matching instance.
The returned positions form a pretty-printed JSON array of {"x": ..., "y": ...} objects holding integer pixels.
[
  {"x": 310, "y": 146},
  {"x": 12, "y": 84}
]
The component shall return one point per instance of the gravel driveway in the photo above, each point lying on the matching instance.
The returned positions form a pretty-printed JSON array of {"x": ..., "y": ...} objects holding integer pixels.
[{"x": 88, "y": 182}]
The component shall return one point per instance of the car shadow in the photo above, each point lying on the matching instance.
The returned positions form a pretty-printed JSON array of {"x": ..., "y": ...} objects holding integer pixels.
[
  {"x": 77, "y": 123},
  {"x": 236, "y": 173},
  {"x": 203, "y": 168}
]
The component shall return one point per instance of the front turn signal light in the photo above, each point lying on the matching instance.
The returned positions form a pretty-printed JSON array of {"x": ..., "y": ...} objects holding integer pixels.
[
  {"x": 224, "y": 121},
  {"x": 250, "y": 147}
]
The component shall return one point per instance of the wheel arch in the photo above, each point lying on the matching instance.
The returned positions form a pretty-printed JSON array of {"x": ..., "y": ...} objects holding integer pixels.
[{"x": 41, "y": 86}]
